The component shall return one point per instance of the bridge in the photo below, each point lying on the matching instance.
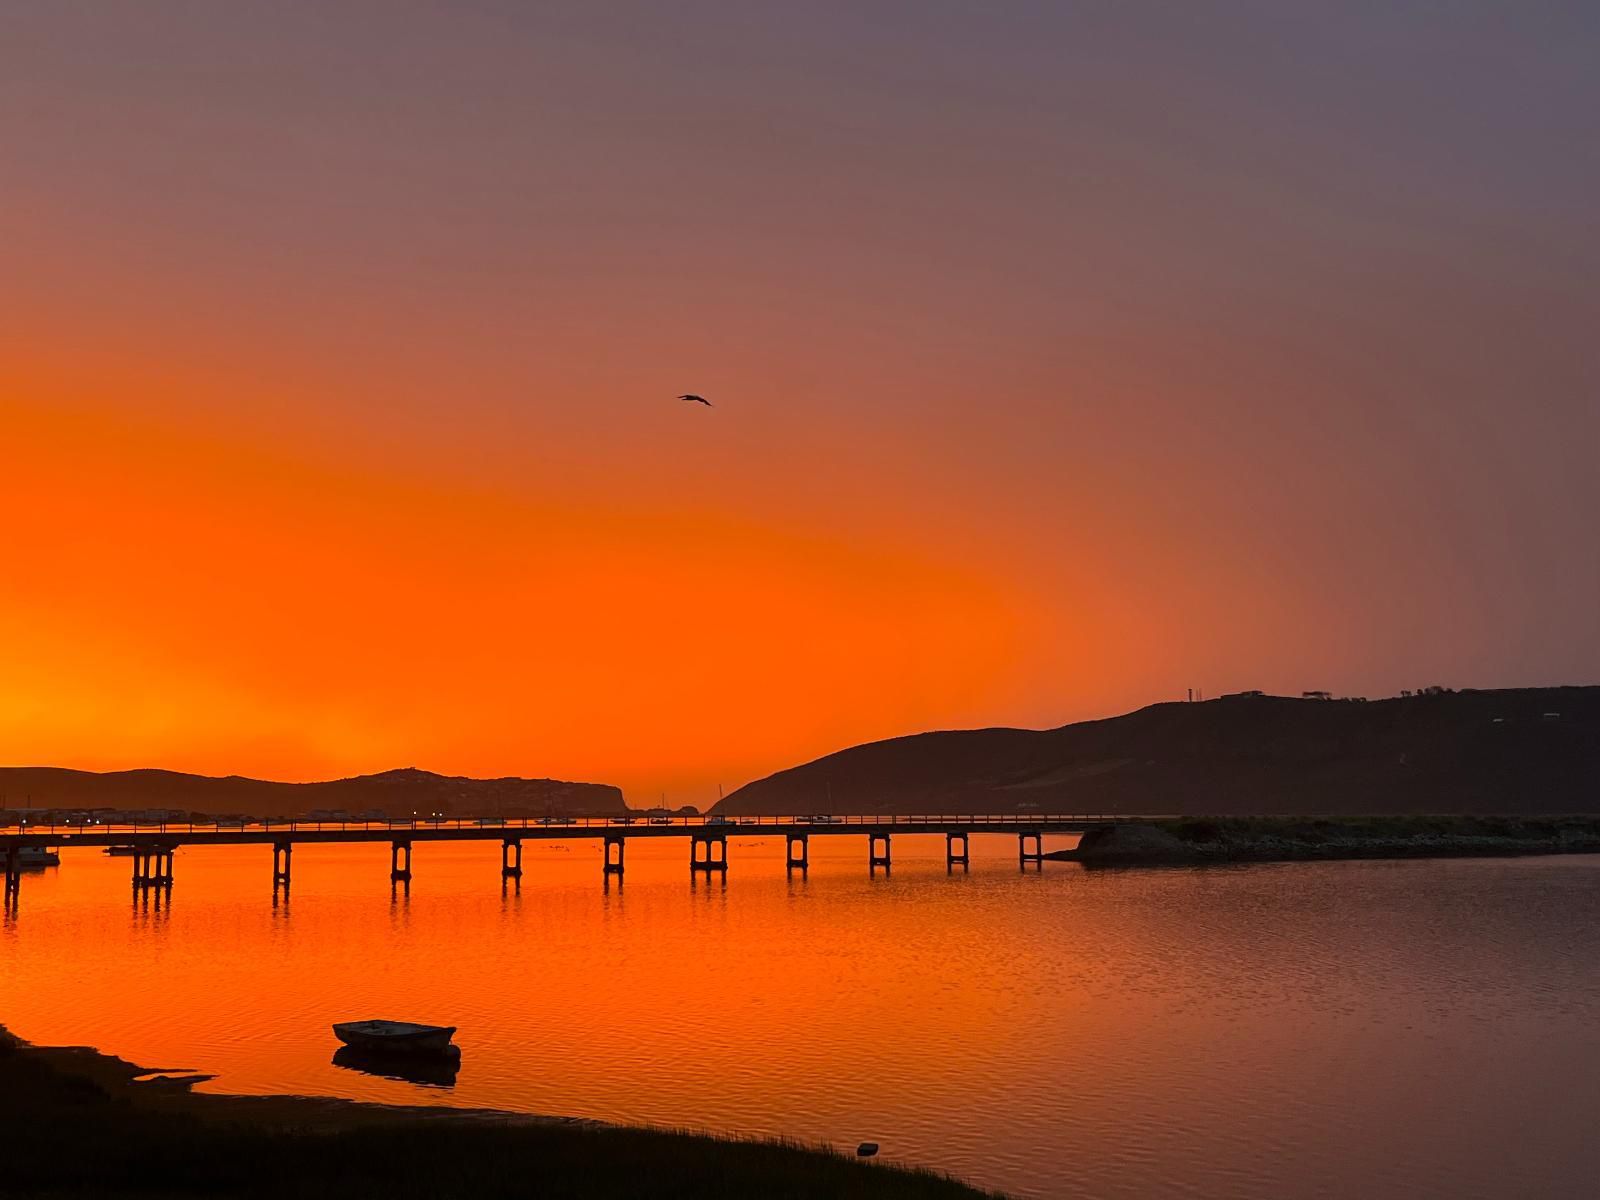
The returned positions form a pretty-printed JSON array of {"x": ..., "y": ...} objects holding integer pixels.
[{"x": 151, "y": 846}]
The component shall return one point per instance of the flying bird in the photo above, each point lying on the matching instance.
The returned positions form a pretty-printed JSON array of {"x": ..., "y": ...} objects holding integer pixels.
[{"x": 696, "y": 399}]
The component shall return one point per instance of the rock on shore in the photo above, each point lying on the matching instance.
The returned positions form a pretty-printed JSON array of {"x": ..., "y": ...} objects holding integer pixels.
[{"x": 1131, "y": 844}]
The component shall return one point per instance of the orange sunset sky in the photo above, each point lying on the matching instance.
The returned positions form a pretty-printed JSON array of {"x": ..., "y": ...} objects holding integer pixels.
[{"x": 1063, "y": 358}]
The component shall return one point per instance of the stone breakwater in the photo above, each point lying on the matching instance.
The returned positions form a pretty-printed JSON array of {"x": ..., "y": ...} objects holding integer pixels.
[{"x": 1198, "y": 841}]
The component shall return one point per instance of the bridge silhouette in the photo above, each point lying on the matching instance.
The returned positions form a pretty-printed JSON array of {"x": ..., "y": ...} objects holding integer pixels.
[{"x": 151, "y": 846}]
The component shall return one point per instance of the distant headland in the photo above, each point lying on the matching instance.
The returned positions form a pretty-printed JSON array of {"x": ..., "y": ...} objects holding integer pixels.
[
  {"x": 1511, "y": 751},
  {"x": 1506, "y": 751},
  {"x": 399, "y": 794}
]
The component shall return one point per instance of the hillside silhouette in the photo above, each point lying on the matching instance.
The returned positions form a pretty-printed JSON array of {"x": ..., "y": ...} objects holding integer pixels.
[
  {"x": 398, "y": 793},
  {"x": 1527, "y": 750}
]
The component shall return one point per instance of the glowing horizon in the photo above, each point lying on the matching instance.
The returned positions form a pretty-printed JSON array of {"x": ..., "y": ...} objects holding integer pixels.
[{"x": 1060, "y": 364}]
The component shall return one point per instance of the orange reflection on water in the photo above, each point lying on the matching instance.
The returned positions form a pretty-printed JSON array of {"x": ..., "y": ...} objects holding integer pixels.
[{"x": 994, "y": 1022}]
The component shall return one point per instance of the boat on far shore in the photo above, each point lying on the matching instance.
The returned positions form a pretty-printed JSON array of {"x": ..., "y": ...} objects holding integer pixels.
[{"x": 395, "y": 1037}]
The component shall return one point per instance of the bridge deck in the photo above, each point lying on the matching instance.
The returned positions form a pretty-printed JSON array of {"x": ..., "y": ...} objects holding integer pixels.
[{"x": 186, "y": 834}]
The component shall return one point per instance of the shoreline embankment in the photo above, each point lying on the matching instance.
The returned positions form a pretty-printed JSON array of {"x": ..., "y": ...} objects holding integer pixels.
[
  {"x": 80, "y": 1123},
  {"x": 1197, "y": 841}
]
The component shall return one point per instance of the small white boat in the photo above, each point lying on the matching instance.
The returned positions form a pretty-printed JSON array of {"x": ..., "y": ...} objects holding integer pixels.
[
  {"x": 37, "y": 856},
  {"x": 395, "y": 1037}
]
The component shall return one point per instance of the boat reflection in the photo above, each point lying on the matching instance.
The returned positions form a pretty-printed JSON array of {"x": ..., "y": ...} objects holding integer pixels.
[{"x": 428, "y": 1070}]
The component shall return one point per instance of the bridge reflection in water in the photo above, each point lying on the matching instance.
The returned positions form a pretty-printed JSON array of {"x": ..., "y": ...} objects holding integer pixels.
[{"x": 151, "y": 846}]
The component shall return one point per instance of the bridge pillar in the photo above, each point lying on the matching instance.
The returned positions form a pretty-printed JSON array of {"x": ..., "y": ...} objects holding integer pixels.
[
  {"x": 511, "y": 858},
  {"x": 1030, "y": 848},
  {"x": 708, "y": 852},
  {"x": 152, "y": 867},
  {"x": 282, "y": 854},
  {"x": 952, "y": 855},
  {"x": 614, "y": 862},
  {"x": 803, "y": 859},
  {"x": 13, "y": 878},
  {"x": 874, "y": 858},
  {"x": 400, "y": 862}
]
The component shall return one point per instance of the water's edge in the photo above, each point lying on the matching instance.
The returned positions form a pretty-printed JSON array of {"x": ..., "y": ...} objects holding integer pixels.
[
  {"x": 1199, "y": 841},
  {"x": 132, "y": 1092}
]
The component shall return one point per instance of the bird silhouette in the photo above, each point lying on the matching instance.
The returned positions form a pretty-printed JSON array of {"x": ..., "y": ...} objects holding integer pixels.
[{"x": 696, "y": 399}]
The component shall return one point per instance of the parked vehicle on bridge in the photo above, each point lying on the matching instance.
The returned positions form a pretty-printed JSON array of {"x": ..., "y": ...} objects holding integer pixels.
[{"x": 661, "y": 820}]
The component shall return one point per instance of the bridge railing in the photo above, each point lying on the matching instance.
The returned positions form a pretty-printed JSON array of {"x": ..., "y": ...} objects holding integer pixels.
[{"x": 810, "y": 821}]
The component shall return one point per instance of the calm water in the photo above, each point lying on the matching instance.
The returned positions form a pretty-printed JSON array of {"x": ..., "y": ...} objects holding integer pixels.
[{"x": 1350, "y": 1029}]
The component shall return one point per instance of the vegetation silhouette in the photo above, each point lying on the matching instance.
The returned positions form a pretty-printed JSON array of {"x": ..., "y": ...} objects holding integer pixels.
[{"x": 76, "y": 1124}]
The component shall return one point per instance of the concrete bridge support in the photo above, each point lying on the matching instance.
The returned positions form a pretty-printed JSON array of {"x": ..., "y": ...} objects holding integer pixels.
[
  {"x": 708, "y": 852},
  {"x": 511, "y": 858},
  {"x": 615, "y": 844},
  {"x": 282, "y": 856},
  {"x": 801, "y": 860},
  {"x": 1030, "y": 848},
  {"x": 875, "y": 857},
  {"x": 13, "y": 879},
  {"x": 153, "y": 867},
  {"x": 956, "y": 852},
  {"x": 400, "y": 862}
]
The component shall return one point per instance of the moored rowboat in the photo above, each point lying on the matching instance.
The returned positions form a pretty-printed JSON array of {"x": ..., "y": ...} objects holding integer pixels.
[{"x": 395, "y": 1037}]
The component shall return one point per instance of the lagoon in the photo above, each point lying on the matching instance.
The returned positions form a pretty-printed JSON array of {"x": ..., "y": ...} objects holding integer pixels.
[{"x": 1311, "y": 1029}]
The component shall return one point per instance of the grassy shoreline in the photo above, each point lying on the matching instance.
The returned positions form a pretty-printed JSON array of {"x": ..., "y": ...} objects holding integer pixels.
[
  {"x": 77, "y": 1122},
  {"x": 1194, "y": 841}
]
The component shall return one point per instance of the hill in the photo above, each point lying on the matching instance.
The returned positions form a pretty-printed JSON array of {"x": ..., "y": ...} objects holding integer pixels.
[
  {"x": 397, "y": 793},
  {"x": 1528, "y": 750}
]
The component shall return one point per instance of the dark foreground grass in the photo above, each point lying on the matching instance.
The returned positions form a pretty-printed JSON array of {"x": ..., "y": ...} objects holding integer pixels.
[{"x": 74, "y": 1124}]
